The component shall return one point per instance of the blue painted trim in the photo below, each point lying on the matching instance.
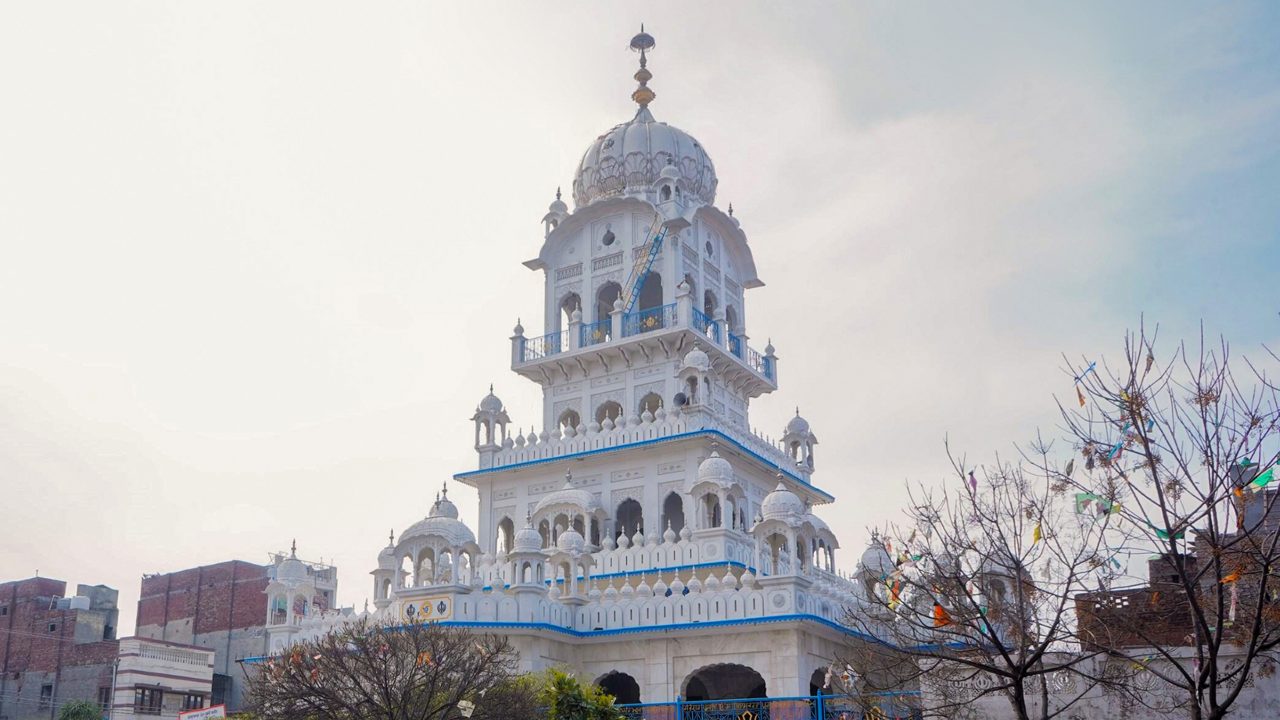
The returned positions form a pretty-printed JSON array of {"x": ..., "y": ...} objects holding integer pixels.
[
  {"x": 662, "y": 628},
  {"x": 654, "y": 441},
  {"x": 799, "y": 698}
]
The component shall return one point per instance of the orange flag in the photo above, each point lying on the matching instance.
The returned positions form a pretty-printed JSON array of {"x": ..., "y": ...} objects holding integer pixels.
[
  {"x": 1232, "y": 577},
  {"x": 940, "y": 616},
  {"x": 1080, "y": 395},
  {"x": 424, "y": 658}
]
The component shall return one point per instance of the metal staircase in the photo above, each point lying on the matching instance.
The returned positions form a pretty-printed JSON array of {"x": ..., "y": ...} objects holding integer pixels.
[{"x": 640, "y": 269}]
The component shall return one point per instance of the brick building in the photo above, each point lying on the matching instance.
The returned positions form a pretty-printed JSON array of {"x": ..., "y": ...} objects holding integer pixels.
[
  {"x": 222, "y": 607},
  {"x": 56, "y": 649}
]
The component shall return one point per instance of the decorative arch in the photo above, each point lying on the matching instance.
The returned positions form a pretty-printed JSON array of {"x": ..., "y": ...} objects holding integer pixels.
[
  {"x": 673, "y": 512},
  {"x": 650, "y": 403},
  {"x": 731, "y": 319},
  {"x": 709, "y": 304},
  {"x": 569, "y": 419},
  {"x": 608, "y": 409},
  {"x": 725, "y": 681},
  {"x": 506, "y": 534},
  {"x": 605, "y": 297},
  {"x": 568, "y": 303},
  {"x": 629, "y": 518},
  {"x": 651, "y": 291},
  {"x": 624, "y": 688}
]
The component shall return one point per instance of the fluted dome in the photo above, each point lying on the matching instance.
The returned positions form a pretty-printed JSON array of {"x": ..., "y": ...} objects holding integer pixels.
[
  {"x": 291, "y": 569},
  {"x": 444, "y": 507},
  {"x": 716, "y": 469},
  {"x": 442, "y": 523},
  {"x": 387, "y": 558},
  {"x": 631, "y": 156},
  {"x": 697, "y": 359},
  {"x": 571, "y": 541},
  {"x": 490, "y": 402},
  {"x": 781, "y": 504},
  {"x": 797, "y": 425},
  {"x": 876, "y": 560},
  {"x": 569, "y": 495},
  {"x": 527, "y": 540}
]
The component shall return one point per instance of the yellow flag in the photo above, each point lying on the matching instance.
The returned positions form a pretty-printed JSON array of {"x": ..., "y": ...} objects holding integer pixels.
[{"x": 1036, "y": 535}]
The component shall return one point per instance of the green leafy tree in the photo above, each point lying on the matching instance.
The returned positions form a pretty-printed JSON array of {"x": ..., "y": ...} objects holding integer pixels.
[
  {"x": 567, "y": 699},
  {"x": 80, "y": 710}
]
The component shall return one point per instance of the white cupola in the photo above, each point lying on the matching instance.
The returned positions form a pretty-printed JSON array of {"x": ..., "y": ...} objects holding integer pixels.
[
  {"x": 799, "y": 440},
  {"x": 491, "y": 422}
]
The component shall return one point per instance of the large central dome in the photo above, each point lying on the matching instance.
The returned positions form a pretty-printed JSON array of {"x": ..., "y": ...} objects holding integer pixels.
[{"x": 630, "y": 157}]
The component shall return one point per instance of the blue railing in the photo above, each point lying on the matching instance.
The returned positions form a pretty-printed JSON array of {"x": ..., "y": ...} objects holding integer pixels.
[
  {"x": 549, "y": 344},
  {"x": 596, "y": 332},
  {"x": 762, "y": 364},
  {"x": 735, "y": 345},
  {"x": 643, "y": 321},
  {"x": 706, "y": 325},
  {"x": 878, "y": 706}
]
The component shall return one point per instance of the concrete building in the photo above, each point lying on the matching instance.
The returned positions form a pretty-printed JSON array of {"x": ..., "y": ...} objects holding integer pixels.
[
  {"x": 58, "y": 649},
  {"x": 224, "y": 607}
]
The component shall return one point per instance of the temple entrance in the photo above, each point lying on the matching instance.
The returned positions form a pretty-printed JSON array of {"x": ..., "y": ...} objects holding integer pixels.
[
  {"x": 724, "y": 682},
  {"x": 624, "y": 688}
]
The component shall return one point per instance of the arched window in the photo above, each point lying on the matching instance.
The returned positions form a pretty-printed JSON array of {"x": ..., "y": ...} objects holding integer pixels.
[
  {"x": 406, "y": 571},
  {"x": 651, "y": 291},
  {"x": 544, "y": 529},
  {"x": 279, "y": 610},
  {"x": 629, "y": 519},
  {"x": 666, "y": 193},
  {"x": 693, "y": 284},
  {"x": 570, "y": 303},
  {"x": 608, "y": 409},
  {"x": 709, "y": 303},
  {"x": 569, "y": 418},
  {"x": 623, "y": 687},
  {"x": 650, "y": 403},
  {"x": 711, "y": 511},
  {"x": 673, "y": 512},
  {"x": 506, "y": 534},
  {"x": 605, "y": 297},
  {"x": 731, "y": 319}
]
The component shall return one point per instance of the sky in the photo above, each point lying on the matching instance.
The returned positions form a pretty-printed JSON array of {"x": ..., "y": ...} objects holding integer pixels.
[{"x": 259, "y": 261}]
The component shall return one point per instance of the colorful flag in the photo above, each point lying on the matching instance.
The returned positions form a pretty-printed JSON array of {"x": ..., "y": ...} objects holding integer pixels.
[
  {"x": 1080, "y": 396},
  {"x": 940, "y": 616},
  {"x": 1036, "y": 535},
  {"x": 1263, "y": 479},
  {"x": 973, "y": 482}
]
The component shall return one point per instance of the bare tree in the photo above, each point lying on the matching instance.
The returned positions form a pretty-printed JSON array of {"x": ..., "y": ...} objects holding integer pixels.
[
  {"x": 973, "y": 596},
  {"x": 415, "y": 671},
  {"x": 1180, "y": 451}
]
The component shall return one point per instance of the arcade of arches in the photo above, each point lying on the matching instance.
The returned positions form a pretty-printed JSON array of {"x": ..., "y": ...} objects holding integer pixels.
[{"x": 725, "y": 681}]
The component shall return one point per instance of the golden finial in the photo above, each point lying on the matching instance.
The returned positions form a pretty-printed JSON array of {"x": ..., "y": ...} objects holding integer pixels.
[{"x": 642, "y": 43}]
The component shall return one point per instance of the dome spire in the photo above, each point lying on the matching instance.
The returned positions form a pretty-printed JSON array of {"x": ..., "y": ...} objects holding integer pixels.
[{"x": 642, "y": 43}]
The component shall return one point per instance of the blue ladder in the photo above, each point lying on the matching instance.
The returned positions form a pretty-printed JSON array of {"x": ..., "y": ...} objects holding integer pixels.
[{"x": 640, "y": 270}]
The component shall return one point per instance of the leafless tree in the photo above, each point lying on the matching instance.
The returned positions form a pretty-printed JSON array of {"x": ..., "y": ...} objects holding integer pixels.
[
  {"x": 415, "y": 671},
  {"x": 1179, "y": 447},
  {"x": 973, "y": 596}
]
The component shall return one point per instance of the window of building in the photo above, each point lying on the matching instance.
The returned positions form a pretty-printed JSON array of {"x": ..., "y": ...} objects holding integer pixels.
[
  {"x": 53, "y": 627},
  {"x": 4, "y": 610},
  {"x": 192, "y": 702},
  {"x": 104, "y": 697},
  {"x": 46, "y": 695},
  {"x": 609, "y": 237},
  {"x": 147, "y": 701}
]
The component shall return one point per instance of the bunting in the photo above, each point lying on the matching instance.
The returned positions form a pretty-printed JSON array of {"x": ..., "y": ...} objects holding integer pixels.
[{"x": 940, "y": 616}]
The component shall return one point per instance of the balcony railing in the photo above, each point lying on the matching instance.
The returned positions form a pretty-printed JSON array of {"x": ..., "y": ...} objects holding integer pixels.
[
  {"x": 643, "y": 321},
  {"x": 596, "y": 332},
  {"x": 549, "y": 344},
  {"x": 705, "y": 325}
]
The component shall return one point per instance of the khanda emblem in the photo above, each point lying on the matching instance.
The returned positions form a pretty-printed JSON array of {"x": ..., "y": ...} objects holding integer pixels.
[
  {"x": 441, "y": 607},
  {"x": 410, "y": 611}
]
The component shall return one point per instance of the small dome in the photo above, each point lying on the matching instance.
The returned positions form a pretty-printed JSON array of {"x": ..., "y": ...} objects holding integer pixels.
[
  {"x": 558, "y": 205},
  {"x": 291, "y": 569},
  {"x": 781, "y": 504},
  {"x": 527, "y": 540},
  {"x": 876, "y": 559},
  {"x": 443, "y": 507},
  {"x": 669, "y": 172},
  {"x": 571, "y": 541},
  {"x": 716, "y": 469},
  {"x": 797, "y": 425},
  {"x": 697, "y": 359},
  {"x": 817, "y": 522},
  {"x": 490, "y": 402},
  {"x": 387, "y": 558}
]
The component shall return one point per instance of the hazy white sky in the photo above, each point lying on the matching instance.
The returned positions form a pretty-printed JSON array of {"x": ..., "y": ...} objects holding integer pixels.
[{"x": 258, "y": 261}]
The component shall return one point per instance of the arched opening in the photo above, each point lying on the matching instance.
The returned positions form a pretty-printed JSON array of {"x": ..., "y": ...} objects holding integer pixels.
[
  {"x": 666, "y": 193},
  {"x": 711, "y": 511},
  {"x": 384, "y": 590},
  {"x": 506, "y": 534},
  {"x": 568, "y": 304},
  {"x": 731, "y": 319},
  {"x": 569, "y": 419},
  {"x": 629, "y": 519},
  {"x": 725, "y": 682},
  {"x": 594, "y": 539},
  {"x": 426, "y": 566},
  {"x": 673, "y": 512},
  {"x": 818, "y": 683},
  {"x": 624, "y": 688},
  {"x": 279, "y": 610},
  {"x": 777, "y": 544},
  {"x": 544, "y": 529},
  {"x": 651, "y": 291},
  {"x": 610, "y": 410},
  {"x": 406, "y": 571},
  {"x": 605, "y": 297},
  {"x": 709, "y": 304},
  {"x": 300, "y": 606},
  {"x": 693, "y": 284},
  {"x": 650, "y": 403}
]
